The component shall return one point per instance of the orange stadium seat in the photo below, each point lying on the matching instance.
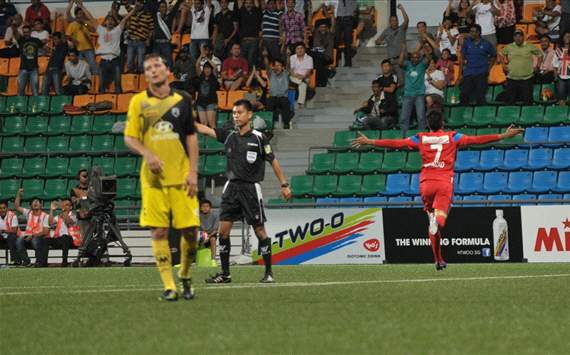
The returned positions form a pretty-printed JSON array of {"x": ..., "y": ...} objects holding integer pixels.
[
  {"x": 12, "y": 88},
  {"x": 222, "y": 99},
  {"x": 142, "y": 83},
  {"x": 233, "y": 96},
  {"x": 80, "y": 101},
  {"x": 14, "y": 66},
  {"x": 4, "y": 63},
  {"x": 529, "y": 10},
  {"x": 123, "y": 101},
  {"x": 497, "y": 75},
  {"x": 130, "y": 82}
]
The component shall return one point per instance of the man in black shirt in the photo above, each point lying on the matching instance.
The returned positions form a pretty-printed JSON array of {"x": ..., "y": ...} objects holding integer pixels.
[
  {"x": 250, "y": 18},
  {"x": 225, "y": 30},
  {"x": 28, "y": 61},
  {"x": 389, "y": 84},
  {"x": 247, "y": 150},
  {"x": 55, "y": 65},
  {"x": 7, "y": 10}
]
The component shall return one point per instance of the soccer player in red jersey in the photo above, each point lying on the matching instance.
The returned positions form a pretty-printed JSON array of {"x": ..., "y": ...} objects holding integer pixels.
[{"x": 438, "y": 149}]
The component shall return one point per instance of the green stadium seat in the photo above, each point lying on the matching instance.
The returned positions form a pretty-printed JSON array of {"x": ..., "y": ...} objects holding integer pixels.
[
  {"x": 343, "y": 139},
  {"x": 412, "y": 132},
  {"x": 55, "y": 189},
  {"x": 120, "y": 145},
  {"x": 516, "y": 140},
  {"x": 104, "y": 143},
  {"x": 391, "y": 134},
  {"x": 322, "y": 163},
  {"x": 105, "y": 163},
  {"x": 201, "y": 141},
  {"x": 127, "y": 187},
  {"x": 57, "y": 103},
  {"x": 496, "y": 91},
  {"x": 78, "y": 163},
  {"x": 369, "y": 163},
  {"x": 213, "y": 145},
  {"x": 71, "y": 183},
  {"x": 125, "y": 166},
  {"x": 80, "y": 143},
  {"x": 81, "y": 124},
  {"x": 345, "y": 163},
  {"x": 556, "y": 115},
  {"x": 302, "y": 200},
  {"x": 302, "y": 185},
  {"x": 126, "y": 208},
  {"x": 58, "y": 125},
  {"x": 8, "y": 188},
  {"x": 103, "y": 124},
  {"x": 3, "y": 104},
  {"x": 537, "y": 94},
  {"x": 58, "y": 144},
  {"x": 467, "y": 131},
  {"x": 56, "y": 166},
  {"x": 325, "y": 185},
  {"x": 506, "y": 115},
  {"x": 12, "y": 144},
  {"x": 483, "y": 131},
  {"x": 393, "y": 161},
  {"x": 33, "y": 188},
  {"x": 489, "y": 94},
  {"x": 348, "y": 185},
  {"x": 373, "y": 184},
  {"x": 15, "y": 105},
  {"x": 459, "y": 116},
  {"x": 222, "y": 118},
  {"x": 276, "y": 201},
  {"x": 483, "y": 116},
  {"x": 34, "y": 167},
  {"x": 11, "y": 167},
  {"x": 37, "y": 105},
  {"x": 372, "y": 134},
  {"x": 14, "y": 125},
  {"x": 452, "y": 94},
  {"x": 36, "y": 144},
  {"x": 215, "y": 165},
  {"x": 413, "y": 163},
  {"x": 201, "y": 163},
  {"x": 36, "y": 125},
  {"x": 267, "y": 116},
  {"x": 531, "y": 115}
]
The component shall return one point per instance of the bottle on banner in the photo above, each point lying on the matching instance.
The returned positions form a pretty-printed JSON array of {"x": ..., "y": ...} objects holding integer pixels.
[{"x": 501, "y": 237}]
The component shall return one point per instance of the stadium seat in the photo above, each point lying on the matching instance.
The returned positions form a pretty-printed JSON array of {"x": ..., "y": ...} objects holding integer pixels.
[
  {"x": 125, "y": 166},
  {"x": 80, "y": 143},
  {"x": 12, "y": 144},
  {"x": 560, "y": 159},
  {"x": 215, "y": 165},
  {"x": 103, "y": 143},
  {"x": 373, "y": 184},
  {"x": 459, "y": 116},
  {"x": 491, "y": 159},
  {"x": 483, "y": 116},
  {"x": 473, "y": 198},
  {"x": 485, "y": 131},
  {"x": 559, "y": 136},
  {"x": 57, "y": 103},
  {"x": 213, "y": 145},
  {"x": 221, "y": 118},
  {"x": 15, "y": 105},
  {"x": 302, "y": 185},
  {"x": 103, "y": 124},
  {"x": 34, "y": 167},
  {"x": 519, "y": 181},
  {"x": 78, "y": 163},
  {"x": 516, "y": 140},
  {"x": 11, "y": 167},
  {"x": 470, "y": 183},
  {"x": 107, "y": 164},
  {"x": 33, "y": 188},
  {"x": 563, "y": 182},
  {"x": 395, "y": 199},
  {"x": 497, "y": 89},
  {"x": 531, "y": 115},
  {"x": 539, "y": 158},
  {"x": 452, "y": 94},
  {"x": 83, "y": 100},
  {"x": 327, "y": 201},
  {"x": 369, "y": 162},
  {"x": 413, "y": 163},
  {"x": 343, "y": 139},
  {"x": 130, "y": 83},
  {"x": 126, "y": 187},
  {"x": 55, "y": 189},
  {"x": 325, "y": 185},
  {"x": 375, "y": 199},
  {"x": 545, "y": 199},
  {"x": 14, "y": 125},
  {"x": 123, "y": 101},
  {"x": 414, "y": 187},
  {"x": 345, "y": 163},
  {"x": 536, "y": 135},
  {"x": 522, "y": 197},
  {"x": 391, "y": 134},
  {"x": 35, "y": 144},
  {"x": 58, "y": 125},
  {"x": 57, "y": 144},
  {"x": 555, "y": 115},
  {"x": 120, "y": 145},
  {"x": 515, "y": 159},
  {"x": 397, "y": 184},
  {"x": 348, "y": 185},
  {"x": 543, "y": 181},
  {"x": 393, "y": 161},
  {"x": 495, "y": 182},
  {"x": 37, "y": 105},
  {"x": 8, "y": 188},
  {"x": 36, "y": 125},
  {"x": 322, "y": 163},
  {"x": 267, "y": 117},
  {"x": 499, "y": 198},
  {"x": 350, "y": 200},
  {"x": 56, "y": 166},
  {"x": 81, "y": 124},
  {"x": 506, "y": 115}
]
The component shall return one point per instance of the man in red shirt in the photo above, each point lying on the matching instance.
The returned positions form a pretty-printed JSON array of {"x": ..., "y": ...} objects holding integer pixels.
[
  {"x": 38, "y": 11},
  {"x": 438, "y": 149},
  {"x": 234, "y": 69}
]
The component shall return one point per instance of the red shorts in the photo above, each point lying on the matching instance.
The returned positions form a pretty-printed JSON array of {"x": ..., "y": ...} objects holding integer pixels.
[{"x": 436, "y": 195}]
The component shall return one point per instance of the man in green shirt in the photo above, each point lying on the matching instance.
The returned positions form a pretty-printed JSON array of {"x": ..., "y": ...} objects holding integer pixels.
[
  {"x": 414, "y": 90},
  {"x": 520, "y": 69}
]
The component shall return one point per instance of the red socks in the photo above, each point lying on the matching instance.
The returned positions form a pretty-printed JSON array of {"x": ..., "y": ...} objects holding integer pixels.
[{"x": 436, "y": 246}]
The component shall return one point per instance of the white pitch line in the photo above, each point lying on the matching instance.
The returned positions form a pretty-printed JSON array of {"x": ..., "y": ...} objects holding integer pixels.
[{"x": 67, "y": 290}]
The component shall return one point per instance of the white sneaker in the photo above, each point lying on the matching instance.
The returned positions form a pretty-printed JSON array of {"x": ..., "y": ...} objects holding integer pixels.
[{"x": 432, "y": 223}]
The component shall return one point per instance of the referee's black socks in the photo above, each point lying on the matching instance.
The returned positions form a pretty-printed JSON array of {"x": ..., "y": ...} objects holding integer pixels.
[
  {"x": 265, "y": 251},
  {"x": 225, "y": 248}
]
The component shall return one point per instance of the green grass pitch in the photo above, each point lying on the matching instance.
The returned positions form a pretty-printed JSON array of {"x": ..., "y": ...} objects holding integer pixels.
[{"x": 380, "y": 309}]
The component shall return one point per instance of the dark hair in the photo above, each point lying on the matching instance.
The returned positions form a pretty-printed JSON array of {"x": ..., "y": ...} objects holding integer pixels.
[
  {"x": 204, "y": 202},
  {"x": 67, "y": 199},
  {"x": 375, "y": 82},
  {"x": 73, "y": 51},
  {"x": 279, "y": 60},
  {"x": 435, "y": 120},
  {"x": 82, "y": 171},
  {"x": 26, "y": 26},
  {"x": 3, "y": 202},
  {"x": 35, "y": 199},
  {"x": 420, "y": 23},
  {"x": 545, "y": 36},
  {"x": 207, "y": 45},
  {"x": 446, "y": 50},
  {"x": 476, "y": 27},
  {"x": 245, "y": 103},
  {"x": 77, "y": 9},
  {"x": 110, "y": 17},
  {"x": 153, "y": 56},
  {"x": 299, "y": 44},
  {"x": 386, "y": 61}
]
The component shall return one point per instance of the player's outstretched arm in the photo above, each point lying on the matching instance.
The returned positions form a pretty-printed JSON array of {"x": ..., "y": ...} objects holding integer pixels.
[
  {"x": 285, "y": 189},
  {"x": 205, "y": 130},
  {"x": 489, "y": 138},
  {"x": 362, "y": 140}
]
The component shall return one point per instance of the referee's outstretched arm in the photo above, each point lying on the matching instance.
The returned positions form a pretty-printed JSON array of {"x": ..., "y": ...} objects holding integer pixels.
[{"x": 205, "y": 130}]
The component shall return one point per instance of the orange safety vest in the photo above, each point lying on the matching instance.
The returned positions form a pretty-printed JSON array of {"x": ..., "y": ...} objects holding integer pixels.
[
  {"x": 34, "y": 223},
  {"x": 73, "y": 231},
  {"x": 9, "y": 216}
]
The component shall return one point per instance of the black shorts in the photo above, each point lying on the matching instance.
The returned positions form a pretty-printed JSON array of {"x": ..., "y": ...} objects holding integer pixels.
[{"x": 242, "y": 200}]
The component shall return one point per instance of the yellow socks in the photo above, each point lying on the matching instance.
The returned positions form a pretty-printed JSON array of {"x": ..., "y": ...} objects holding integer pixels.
[
  {"x": 161, "y": 252},
  {"x": 187, "y": 250}
]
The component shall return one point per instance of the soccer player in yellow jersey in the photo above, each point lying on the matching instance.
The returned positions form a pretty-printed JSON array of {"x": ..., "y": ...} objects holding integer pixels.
[{"x": 160, "y": 127}]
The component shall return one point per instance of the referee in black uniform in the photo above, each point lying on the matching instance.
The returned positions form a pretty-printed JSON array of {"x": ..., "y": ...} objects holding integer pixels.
[{"x": 247, "y": 150}]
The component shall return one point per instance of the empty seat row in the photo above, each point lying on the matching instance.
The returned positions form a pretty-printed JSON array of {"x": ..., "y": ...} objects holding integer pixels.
[
  {"x": 513, "y": 159},
  {"x": 365, "y": 163},
  {"x": 345, "y": 185},
  {"x": 64, "y": 144},
  {"x": 502, "y": 116},
  {"x": 513, "y": 182},
  {"x": 452, "y": 94},
  {"x": 59, "y": 124},
  {"x": 33, "y": 105}
]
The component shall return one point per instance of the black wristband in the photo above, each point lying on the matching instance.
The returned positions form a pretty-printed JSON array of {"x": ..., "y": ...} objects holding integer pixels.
[{"x": 285, "y": 185}]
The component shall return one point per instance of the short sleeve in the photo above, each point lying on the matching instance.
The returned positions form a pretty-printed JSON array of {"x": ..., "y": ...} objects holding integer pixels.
[
  {"x": 26, "y": 212},
  {"x": 133, "y": 126},
  {"x": 14, "y": 222},
  {"x": 267, "y": 150},
  {"x": 70, "y": 29}
]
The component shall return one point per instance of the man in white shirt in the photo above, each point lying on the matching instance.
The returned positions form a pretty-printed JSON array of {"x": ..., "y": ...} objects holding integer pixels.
[
  {"x": 40, "y": 33},
  {"x": 548, "y": 20},
  {"x": 446, "y": 37},
  {"x": 300, "y": 69},
  {"x": 9, "y": 232},
  {"x": 435, "y": 84},
  {"x": 78, "y": 79},
  {"x": 200, "y": 31},
  {"x": 485, "y": 12},
  {"x": 109, "y": 49},
  {"x": 37, "y": 229},
  {"x": 66, "y": 229}
]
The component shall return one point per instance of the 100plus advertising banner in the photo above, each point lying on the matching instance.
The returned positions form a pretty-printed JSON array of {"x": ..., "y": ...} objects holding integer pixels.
[
  {"x": 546, "y": 233},
  {"x": 470, "y": 235},
  {"x": 324, "y": 236}
]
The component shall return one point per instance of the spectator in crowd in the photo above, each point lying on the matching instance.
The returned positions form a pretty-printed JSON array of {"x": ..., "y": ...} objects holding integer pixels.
[
  {"x": 41, "y": 34},
  {"x": 447, "y": 66},
  {"x": 234, "y": 69},
  {"x": 270, "y": 28},
  {"x": 139, "y": 29},
  {"x": 546, "y": 72},
  {"x": 255, "y": 86},
  {"x": 7, "y": 10},
  {"x": 79, "y": 33},
  {"x": 38, "y": 11},
  {"x": 162, "y": 36},
  {"x": 200, "y": 18},
  {"x": 225, "y": 30},
  {"x": 429, "y": 51},
  {"x": 478, "y": 57},
  {"x": 9, "y": 232},
  {"x": 300, "y": 69},
  {"x": 461, "y": 16},
  {"x": 292, "y": 27},
  {"x": 446, "y": 38},
  {"x": 424, "y": 36},
  {"x": 209, "y": 224},
  {"x": 109, "y": 50},
  {"x": 278, "y": 101},
  {"x": 393, "y": 37},
  {"x": 116, "y": 8},
  {"x": 485, "y": 12},
  {"x": 78, "y": 79},
  {"x": 377, "y": 112},
  {"x": 520, "y": 70},
  {"x": 305, "y": 8},
  {"x": 53, "y": 75},
  {"x": 77, "y": 193},
  {"x": 29, "y": 48},
  {"x": 322, "y": 51},
  {"x": 66, "y": 229},
  {"x": 344, "y": 23},
  {"x": 207, "y": 56},
  {"x": 389, "y": 84},
  {"x": 184, "y": 71},
  {"x": 250, "y": 18},
  {"x": 562, "y": 64},
  {"x": 548, "y": 20},
  {"x": 505, "y": 21},
  {"x": 37, "y": 229},
  {"x": 435, "y": 83},
  {"x": 414, "y": 90},
  {"x": 12, "y": 49},
  {"x": 564, "y": 17},
  {"x": 207, "y": 101}
]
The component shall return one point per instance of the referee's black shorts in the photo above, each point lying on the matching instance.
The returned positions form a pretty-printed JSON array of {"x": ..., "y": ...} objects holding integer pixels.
[{"x": 242, "y": 199}]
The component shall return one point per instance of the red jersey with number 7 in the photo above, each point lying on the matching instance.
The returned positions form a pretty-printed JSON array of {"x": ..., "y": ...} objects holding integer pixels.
[{"x": 438, "y": 150}]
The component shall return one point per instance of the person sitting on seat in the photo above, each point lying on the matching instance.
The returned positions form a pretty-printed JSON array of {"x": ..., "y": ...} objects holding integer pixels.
[
  {"x": 78, "y": 80},
  {"x": 66, "y": 232},
  {"x": 37, "y": 229},
  {"x": 377, "y": 112},
  {"x": 9, "y": 232}
]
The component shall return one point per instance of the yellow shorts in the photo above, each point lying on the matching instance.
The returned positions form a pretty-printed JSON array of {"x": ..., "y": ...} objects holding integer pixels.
[{"x": 159, "y": 203}]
